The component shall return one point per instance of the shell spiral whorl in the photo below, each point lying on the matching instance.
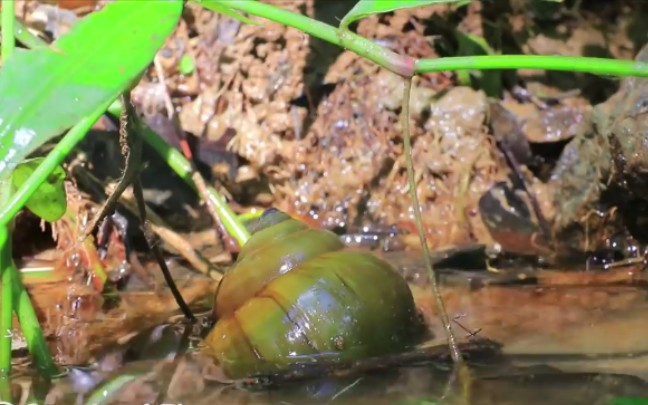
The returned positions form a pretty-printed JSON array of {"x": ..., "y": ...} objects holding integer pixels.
[{"x": 296, "y": 295}]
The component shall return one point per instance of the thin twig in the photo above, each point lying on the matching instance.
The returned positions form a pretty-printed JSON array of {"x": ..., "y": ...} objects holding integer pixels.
[
  {"x": 131, "y": 142},
  {"x": 132, "y": 154},
  {"x": 445, "y": 320},
  {"x": 159, "y": 70},
  {"x": 230, "y": 243},
  {"x": 159, "y": 227},
  {"x": 157, "y": 252}
]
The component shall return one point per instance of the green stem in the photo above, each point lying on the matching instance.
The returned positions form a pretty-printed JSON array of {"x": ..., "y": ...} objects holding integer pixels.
[
  {"x": 5, "y": 391},
  {"x": 30, "y": 326},
  {"x": 6, "y": 260},
  {"x": 106, "y": 392},
  {"x": 8, "y": 18},
  {"x": 6, "y": 301},
  {"x": 173, "y": 158},
  {"x": 407, "y": 66},
  {"x": 25, "y": 37},
  {"x": 403, "y": 65},
  {"x": 14, "y": 295},
  {"x": 183, "y": 168},
  {"x": 602, "y": 66},
  {"x": 53, "y": 159}
]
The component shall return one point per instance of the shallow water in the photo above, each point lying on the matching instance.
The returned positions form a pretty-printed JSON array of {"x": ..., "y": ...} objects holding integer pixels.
[
  {"x": 558, "y": 344},
  {"x": 493, "y": 384}
]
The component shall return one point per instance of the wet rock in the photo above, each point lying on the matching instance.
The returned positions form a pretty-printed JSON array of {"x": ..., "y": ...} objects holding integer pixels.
[
  {"x": 602, "y": 172},
  {"x": 507, "y": 214},
  {"x": 508, "y": 130},
  {"x": 391, "y": 86},
  {"x": 577, "y": 184},
  {"x": 550, "y": 123},
  {"x": 628, "y": 134}
]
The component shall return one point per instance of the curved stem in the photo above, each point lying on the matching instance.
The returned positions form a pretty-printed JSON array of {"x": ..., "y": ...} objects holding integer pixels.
[
  {"x": 407, "y": 66},
  {"x": 402, "y": 65}
]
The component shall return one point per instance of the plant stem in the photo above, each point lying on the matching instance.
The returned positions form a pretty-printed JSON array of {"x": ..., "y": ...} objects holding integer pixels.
[
  {"x": 24, "y": 36},
  {"x": 173, "y": 158},
  {"x": 8, "y": 18},
  {"x": 5, "y": 391},
  {"x": 402, "y": 65},
  {"x": 601, "y": 66},
  {"x": 6, "y": 260},
  {"x": 13, "y": 292},
  {"x": 183, "y": 168},
  {"x": 407, "y": 66},
  {"x": 106, "y": 391},
  {"x": 443, "y": 314},
  {"x": 6, "y": 302},
  {"x": 30, "y": 326},
  {"x": 47, "y": 166}
]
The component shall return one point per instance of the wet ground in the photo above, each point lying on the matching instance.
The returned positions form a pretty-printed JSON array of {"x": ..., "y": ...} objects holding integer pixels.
[
  {"x": 532, "y": 187},
  {"x": 577, "y": 340}
]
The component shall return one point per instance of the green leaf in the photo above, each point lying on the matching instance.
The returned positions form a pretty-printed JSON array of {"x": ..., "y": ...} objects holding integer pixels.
[
  {"x": 221, "y": 7},
  {"x": 49, "y": 201},
  {"x": 186, "y": 65},
  {"x": 365, "y": 8},
  {"x": 46, "y": 91}
]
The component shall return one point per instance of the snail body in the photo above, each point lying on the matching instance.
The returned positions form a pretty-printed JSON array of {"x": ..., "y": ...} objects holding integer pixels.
[{"x": 295, "y": 295}]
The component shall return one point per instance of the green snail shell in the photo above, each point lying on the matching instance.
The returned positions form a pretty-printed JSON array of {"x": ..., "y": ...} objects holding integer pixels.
[{"x": 298, "y": 296}]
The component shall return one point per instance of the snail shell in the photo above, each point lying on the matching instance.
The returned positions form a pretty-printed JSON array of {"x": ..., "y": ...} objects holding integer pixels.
[{"x": 295, "y": 295}]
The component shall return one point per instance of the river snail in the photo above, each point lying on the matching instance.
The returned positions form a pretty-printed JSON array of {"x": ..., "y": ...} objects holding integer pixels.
[{"x": 296, "y": 295}]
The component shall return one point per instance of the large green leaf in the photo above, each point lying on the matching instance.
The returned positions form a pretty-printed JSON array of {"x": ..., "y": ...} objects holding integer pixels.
[
  {"x": 49, "y": 201},
  {"x": 44, "y": 92},
  {"x": 365, "y": 8}
]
